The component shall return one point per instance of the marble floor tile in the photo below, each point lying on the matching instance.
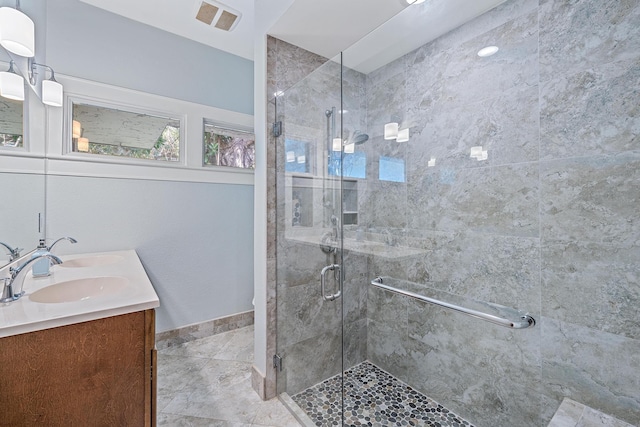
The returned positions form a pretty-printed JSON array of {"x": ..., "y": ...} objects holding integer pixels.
[{"x": 207, "y": 382}]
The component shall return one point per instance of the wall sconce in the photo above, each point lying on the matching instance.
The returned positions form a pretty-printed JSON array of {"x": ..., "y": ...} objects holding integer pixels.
[
  {"x": 77, "y": 130},
  {"x": 18, "y": 32},
  {"x": 17, "y": 36},
  {"x": 337, "y": 144},
  {"x": 51, "y": 89},
  {"x": 478, "y": 153},
  {"x": 291, "y": 155},
  {"x": 391, "y": 130},
  {"x": 83, "y": 144},
  {"x": 350, "y": 148},
  {"x": 11, "y": 84},
  {"x": 403, "y": 135}
]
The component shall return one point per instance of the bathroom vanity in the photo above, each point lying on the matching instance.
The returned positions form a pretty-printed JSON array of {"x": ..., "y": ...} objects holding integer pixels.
[{"x": 79, "y": 347}]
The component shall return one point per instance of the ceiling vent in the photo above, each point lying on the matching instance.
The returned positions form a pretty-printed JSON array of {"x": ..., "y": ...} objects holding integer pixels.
[{"x": 217, "y": 14}]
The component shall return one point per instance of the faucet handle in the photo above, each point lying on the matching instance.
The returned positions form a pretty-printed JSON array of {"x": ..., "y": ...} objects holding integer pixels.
[{"x": 7, "y": 291}]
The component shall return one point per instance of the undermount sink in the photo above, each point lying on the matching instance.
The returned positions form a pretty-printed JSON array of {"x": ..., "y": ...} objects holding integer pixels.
[
  {"x": 92, "y": 261},
  {"x": 80, "y": 289}
]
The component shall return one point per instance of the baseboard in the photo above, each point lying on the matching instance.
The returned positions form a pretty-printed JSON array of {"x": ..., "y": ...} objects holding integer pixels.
[{"x": 204, "y": 329}]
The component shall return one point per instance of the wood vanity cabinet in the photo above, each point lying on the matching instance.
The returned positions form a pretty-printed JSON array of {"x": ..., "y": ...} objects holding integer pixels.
[{"x": 95, "y": 373}]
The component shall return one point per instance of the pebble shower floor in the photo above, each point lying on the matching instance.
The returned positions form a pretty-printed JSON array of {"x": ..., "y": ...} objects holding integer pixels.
[{"x": 373, "y": 398}]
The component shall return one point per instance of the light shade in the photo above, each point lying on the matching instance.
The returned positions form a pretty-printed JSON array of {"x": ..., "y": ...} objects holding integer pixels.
[
  {"x": 403, "y": 135},
  {"x": 391, "y": 130},
  {"x": 52, "y": 93},
  {"x": 77, "y": 130},
  {"x": 83, "y": 144},
  {"x": 487, "y": 51},
  {"x": 291, "y": 155},
  {"x": 349, "y": 148},
  {"x": 11, "y": 85},
  {"x": 337, "y": 144},
  {"x": 17, "y": 32}
]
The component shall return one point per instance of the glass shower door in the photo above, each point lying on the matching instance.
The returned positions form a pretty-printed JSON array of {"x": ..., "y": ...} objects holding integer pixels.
[{"x": 309, "y": 263}]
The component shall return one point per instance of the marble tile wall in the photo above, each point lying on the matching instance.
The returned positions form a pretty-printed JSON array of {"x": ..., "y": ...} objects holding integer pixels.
[
  {"x": 547, "y": 224},
  {"x": 310, "y": 334}
]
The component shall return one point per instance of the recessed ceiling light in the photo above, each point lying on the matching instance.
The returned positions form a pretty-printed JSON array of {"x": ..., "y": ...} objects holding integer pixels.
[
  {"x": 415, "y": 1},
  {"x": 487, "y": 51}
]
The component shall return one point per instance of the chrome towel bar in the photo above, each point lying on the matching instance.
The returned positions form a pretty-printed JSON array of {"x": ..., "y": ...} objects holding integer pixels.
[{"x": 525, "y": 321}]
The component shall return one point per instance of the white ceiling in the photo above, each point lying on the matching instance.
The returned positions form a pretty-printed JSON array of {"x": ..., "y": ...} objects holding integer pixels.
[
  {"x": 325, "y": 27},
  {"x": 178, "y": 17}
]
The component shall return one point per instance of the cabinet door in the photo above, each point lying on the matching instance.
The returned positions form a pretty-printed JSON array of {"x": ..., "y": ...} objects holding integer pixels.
[{"x": 94, "y": 373}]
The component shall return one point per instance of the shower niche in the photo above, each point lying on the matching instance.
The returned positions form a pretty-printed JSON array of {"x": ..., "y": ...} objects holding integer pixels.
[
  {"x": 301, "y": 208},
  {"x": 350, "y": 202}
]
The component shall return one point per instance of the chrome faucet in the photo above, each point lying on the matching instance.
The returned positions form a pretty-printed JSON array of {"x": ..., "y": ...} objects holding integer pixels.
[
  {"x": 71, "y": 239},
  {"x": 17, "y": 276},
  {"x": 13, "y": 253}
]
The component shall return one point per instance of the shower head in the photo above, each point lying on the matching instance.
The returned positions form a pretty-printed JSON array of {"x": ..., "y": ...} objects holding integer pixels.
[{"x": 358, "y": 138}]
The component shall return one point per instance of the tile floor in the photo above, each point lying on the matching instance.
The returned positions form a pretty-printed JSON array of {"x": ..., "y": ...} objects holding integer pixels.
[
  {"x": 373, "y": 397},
  {"x": 207, "y": 382}
]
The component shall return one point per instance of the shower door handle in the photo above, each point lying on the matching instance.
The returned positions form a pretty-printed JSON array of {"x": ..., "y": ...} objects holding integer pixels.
[{"x": 323, "y": 274}]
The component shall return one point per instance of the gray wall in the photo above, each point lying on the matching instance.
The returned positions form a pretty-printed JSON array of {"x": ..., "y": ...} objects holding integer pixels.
[
  {"x": 94, "y": 44},
  {"x": 192, "y": 238},
  {"x": 547, "y": 224}
]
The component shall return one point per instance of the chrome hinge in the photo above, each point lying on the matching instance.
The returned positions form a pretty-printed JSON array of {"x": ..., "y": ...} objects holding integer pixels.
[
  {"x": 277, "y": 129},
  {"x": 277, "y": 362}
]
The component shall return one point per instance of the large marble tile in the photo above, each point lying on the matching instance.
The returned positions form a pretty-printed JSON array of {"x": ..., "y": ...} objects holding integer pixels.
[
  {"x": 238, "y": 403},
  {"x": 595, "y": 368},
  {"x": 469, "y": 78},
  {"x": 593, "y": 199},
  {"x": 467, "y": 390},
  {"x": 304, "y": 314},
  {"x": 575, "y": 35},
  {"x": 499, "y": 200},
  {"x": 172, "y": 420},
  {"x": 500, "y": 354},
  {"x": 594, "y": 285},
  {"x": 592, "y": 112},
  {"x": 310, "y": 361},
  {"x": 498, "y": 269},
  {"x": 273, "y": 413},
  {"x": 174, "y": 376},
  {"x": 506, "y": 126},
  {"x": 239, "y": 347},
  {"x": 294, "y": 64},
  {"x": 202, "y": 348}
]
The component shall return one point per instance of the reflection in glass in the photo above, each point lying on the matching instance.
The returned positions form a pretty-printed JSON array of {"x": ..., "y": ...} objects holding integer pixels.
[
  {"x": 10, "y": 123},
  {"x": 228, "y": 147},
  {"x": 391, "y": 169},
  {"x": 297, "y": 156},
  {"x": 112, "y": 132},
  {"x": 349, "y": 165}
]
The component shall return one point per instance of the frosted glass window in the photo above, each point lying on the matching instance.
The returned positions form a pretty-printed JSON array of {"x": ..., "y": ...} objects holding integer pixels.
[
  {"x": 228, "y": 147},
  {"x": 391, "y": 169}
]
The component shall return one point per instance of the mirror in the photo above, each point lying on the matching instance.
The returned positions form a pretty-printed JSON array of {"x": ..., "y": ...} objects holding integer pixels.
[
  {"x": 22, "y": 181},
  {"x": 11, "y": 114},
  {"x": 114, "y": 132}
]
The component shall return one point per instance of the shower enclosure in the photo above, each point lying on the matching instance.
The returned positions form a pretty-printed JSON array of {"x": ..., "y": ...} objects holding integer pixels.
[{"x": 456, "y": 236}]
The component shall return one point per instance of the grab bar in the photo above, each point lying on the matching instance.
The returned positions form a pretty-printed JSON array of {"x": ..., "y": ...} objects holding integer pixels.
[{"x": 525, "y": 320}]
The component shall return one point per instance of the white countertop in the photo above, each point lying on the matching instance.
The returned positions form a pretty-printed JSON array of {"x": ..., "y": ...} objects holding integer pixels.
[{"x": 25, "y": 315}]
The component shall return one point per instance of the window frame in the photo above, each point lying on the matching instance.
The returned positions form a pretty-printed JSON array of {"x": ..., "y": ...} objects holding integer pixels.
[
  {"x": 225, "y": 126},
  {"x": 62, "y": 161}
]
